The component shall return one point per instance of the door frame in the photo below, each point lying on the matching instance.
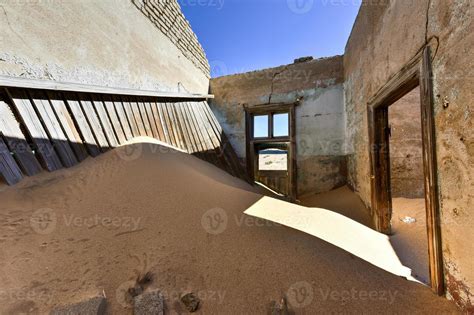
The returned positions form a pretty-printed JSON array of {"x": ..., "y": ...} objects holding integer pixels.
[
  {"x": 417, "y": 73},
  {"x": 250, "y": 141}
]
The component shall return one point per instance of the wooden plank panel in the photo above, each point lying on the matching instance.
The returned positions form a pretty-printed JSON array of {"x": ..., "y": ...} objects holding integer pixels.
[
  {"x": 105, "y": 123},
  {"x": 94, "y": 123},
  {"x": 209, "y": 148},
  {"x": 35, "y": 129},
  {"x": 158, "y": 122},
  {"x": 191, "y": 131},
  {"x": 16, "y": 141},
  {"x": 145, "y": 119},
  {"x": 53, "y": 129},
  {"x": 213, "y": 140},
  {"x": 151, "y": 117},
  {"x": 185, "y": 128},
  {"x": 195, "y": 134},
  {"x": 167, "y": 136},
  {"x": 168, "y": 127},
  {"x": 138, "y": 118},
  {"x": 110, "y": 107},
  {"x": 9, "y": 170},
  {"x": 199, "y": 125},
  {"x": 199, "y": 139},
  {"x": 131, "y": 118},
  {"x": 177, "y": 133},
  {"x": 83, "y": 125},
  {"x": 122, "y": 115},
  {"x": 68, "y": 126}
]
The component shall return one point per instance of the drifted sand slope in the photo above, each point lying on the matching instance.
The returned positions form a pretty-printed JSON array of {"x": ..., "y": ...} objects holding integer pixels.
[{"x": 112, "y": 217}]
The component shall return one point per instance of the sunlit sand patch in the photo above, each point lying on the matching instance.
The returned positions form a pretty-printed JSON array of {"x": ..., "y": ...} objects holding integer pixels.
[{"x": 336, "y": 229}]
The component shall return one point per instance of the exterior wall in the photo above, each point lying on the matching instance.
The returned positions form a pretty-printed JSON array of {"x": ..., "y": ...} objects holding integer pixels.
[
  {"x": 386, "y": 35},
  {"x": 319, "y": 117},
  {"x": 406, "y": 154},
  {"x": 105, "y": 43}
]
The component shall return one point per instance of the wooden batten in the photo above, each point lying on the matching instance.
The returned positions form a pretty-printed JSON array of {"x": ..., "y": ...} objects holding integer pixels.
[{"x": 35, "y": 129}]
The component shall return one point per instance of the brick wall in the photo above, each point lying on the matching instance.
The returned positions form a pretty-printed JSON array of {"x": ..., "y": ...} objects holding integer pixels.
[{"x": 166, "y": 15}]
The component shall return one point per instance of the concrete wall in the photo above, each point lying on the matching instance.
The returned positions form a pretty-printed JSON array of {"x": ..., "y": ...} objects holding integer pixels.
[
  {"x": 106, "y": 43},
  {"x": 386, "y": 35},
  {"x": 406, "y": 154},
  {"x": 319, "y": 118}
]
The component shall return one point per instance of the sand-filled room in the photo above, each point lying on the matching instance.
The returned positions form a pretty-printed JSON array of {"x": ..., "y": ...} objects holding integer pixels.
[{"x": 236, "y": 157}]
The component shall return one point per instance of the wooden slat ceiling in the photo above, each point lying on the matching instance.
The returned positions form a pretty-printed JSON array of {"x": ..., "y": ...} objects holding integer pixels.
[{"x": 50, "y": 129}]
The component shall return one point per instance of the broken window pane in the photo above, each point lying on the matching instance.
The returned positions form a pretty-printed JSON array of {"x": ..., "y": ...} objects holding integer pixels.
[
  {"x": 280, "y": 125},
  {"x": 260, "y": 126}
]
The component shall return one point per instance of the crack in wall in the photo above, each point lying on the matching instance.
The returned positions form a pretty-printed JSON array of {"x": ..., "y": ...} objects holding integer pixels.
[{"x": 273, "y": 82}]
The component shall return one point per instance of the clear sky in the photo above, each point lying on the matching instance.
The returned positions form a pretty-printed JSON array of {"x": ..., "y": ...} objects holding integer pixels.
[{"x": 245, "y": 35}]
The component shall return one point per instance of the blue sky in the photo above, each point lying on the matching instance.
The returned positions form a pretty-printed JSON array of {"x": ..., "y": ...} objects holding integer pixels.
[{"x": 245, "y": 35}]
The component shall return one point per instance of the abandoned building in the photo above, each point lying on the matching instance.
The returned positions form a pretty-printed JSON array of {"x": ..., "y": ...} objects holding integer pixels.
[{"x": 133, "y": 182}]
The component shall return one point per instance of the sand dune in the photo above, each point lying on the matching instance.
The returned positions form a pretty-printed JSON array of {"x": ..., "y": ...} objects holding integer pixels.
[{"x": 93, "y": 228}]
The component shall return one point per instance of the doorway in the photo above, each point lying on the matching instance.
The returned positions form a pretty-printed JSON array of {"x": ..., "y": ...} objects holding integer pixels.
[
  {"x": 271, "y": 148},
  {"x": 416, "y": 73},
  {"x": 408, "y": 223}
]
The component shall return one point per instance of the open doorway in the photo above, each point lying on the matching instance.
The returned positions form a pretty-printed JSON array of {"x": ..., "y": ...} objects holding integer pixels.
[
  {"x": 271, "y": 148},
  {"x": 409, "y": 237},
  {"x": 417, "y": 73}
]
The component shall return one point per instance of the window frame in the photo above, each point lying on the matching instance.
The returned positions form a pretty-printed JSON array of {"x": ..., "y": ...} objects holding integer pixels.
[
  {"x": 251, "y": 141},
  {"x": 270, "y": 125}
]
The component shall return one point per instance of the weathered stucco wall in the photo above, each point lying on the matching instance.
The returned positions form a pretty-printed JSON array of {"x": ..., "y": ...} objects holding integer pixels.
[
  {"x": 319, "y": 117},
  {"x": 106, "y": 43},
  {"x": 406, "y": 155},
  {"x": 386, "y": 35}
]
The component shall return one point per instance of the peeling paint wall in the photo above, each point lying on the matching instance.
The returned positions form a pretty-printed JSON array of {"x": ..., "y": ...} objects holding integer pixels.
[
  {"x": 386, "y": 35},
  {"x": 319, "y": 118},
  {"x": 106, "y": 43}
]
